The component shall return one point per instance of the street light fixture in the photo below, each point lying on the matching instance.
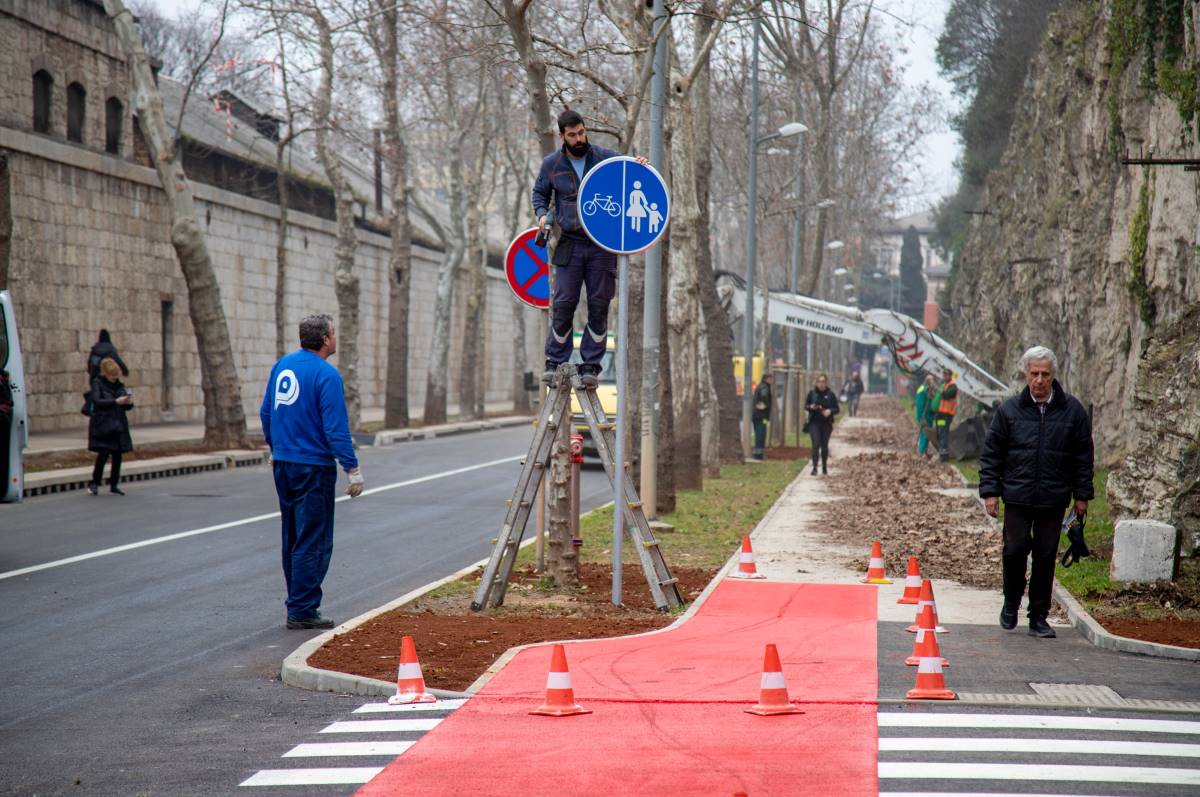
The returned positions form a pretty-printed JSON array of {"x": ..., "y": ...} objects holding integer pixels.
[{"x": 787, "y": 130}]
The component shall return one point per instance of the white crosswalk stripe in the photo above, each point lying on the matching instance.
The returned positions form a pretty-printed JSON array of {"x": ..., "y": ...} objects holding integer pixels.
[
  {"x": 943, "y": 754},
  {"x": 382, "y": 745}
]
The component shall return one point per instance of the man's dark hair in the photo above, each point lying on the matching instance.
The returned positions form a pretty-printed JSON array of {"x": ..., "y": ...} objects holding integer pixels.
[
  {"x": 105, "y": 337},
  {"x": 313, "y": 330},
  {"x": 568, "y": 118}
]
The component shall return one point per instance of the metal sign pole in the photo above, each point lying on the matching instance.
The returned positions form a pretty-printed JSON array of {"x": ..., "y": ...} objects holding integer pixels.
[{"x": 619, "y": 464}]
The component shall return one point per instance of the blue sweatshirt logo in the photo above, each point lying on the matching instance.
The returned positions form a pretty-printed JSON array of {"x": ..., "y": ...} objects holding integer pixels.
[{"x": 287, "y": 387}]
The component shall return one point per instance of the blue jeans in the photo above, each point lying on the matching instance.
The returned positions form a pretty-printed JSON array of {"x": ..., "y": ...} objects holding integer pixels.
[
  {"x": 306, "y": 504},
  {"x": 760, "y": 437}
]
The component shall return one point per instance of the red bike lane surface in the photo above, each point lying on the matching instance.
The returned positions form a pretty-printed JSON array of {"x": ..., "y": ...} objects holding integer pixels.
[{"x": 668, "y": 709}]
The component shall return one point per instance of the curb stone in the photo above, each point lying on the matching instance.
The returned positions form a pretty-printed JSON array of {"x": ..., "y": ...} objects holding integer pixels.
[{"x": 1095, "y": 633}]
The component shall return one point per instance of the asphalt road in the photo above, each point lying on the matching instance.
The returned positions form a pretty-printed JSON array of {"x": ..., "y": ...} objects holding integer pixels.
[{"x": 153, "y": 670}]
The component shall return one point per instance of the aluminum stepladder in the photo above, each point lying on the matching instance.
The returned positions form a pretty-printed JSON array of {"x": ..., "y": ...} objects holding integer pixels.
[{"x": 556, "y": 410}]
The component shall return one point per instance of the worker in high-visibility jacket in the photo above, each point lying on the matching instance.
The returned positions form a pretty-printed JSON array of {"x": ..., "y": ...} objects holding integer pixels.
[
  {"x": 925, "y": 404},
  {"x": 946, "y": 410}
]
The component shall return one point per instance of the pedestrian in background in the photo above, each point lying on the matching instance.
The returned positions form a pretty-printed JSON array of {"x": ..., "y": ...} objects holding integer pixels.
[
  {"x": 924, "y": 404},
  {"x": 947, "y": 408},
  {"x": 1037, "y": 456},
  {"x": 762, "y": 413},
  {"x": 854, "y": 390},
  {"x": 822, "y": 405},
  {"x": 108, "y": 427},
  {"x": 100, "y": 349},
  {"x": 306, "y": 427}
]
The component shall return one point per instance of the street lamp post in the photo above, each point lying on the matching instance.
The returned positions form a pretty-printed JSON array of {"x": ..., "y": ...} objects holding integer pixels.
[{"x": 790, "y": 129}]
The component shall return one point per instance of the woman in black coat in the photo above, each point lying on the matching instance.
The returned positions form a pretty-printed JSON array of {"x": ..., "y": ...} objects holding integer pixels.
[
  {"x": 108, "y": 430},
  {"x": 822, "y": 405}
]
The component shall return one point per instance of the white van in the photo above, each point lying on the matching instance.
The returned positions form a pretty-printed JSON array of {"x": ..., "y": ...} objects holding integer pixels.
[{"x": 14, "y": 431}]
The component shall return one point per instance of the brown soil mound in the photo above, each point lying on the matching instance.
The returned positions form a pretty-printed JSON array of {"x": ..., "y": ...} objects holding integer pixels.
[
  {"x": 456, "y": 645},
  {"x": 1164, "y": 630}
]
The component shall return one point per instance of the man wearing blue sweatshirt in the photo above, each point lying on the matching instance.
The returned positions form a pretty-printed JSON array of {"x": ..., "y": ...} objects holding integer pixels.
[{"x": 304, "y": 421}]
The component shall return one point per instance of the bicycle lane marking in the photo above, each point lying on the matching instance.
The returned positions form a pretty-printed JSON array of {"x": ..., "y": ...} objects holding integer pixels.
[{"x": 242, "y": 522}]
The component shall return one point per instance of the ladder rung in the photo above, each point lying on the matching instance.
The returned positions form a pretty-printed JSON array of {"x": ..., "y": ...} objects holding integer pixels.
[
  {"x": 671, "y": 580},
  {"x": 649, "y": 543},
  {"x": 495, "y": 540},
  {"x": 635, "y": 504}
]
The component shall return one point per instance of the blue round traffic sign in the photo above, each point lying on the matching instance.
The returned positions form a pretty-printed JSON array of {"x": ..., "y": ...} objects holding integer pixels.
[
  {"x": 624, "y": 205},
  {"x": 527, "y": 269}
]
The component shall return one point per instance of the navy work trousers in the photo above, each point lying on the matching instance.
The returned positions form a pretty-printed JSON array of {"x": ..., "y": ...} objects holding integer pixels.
[
  {"x": 760, "y": 437},
  {"x": 579, "y": 262},
  {"x": 306, "y": 504}
]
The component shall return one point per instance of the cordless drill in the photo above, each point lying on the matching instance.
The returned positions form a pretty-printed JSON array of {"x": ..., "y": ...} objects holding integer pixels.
[{"x": 543, "y": 233}]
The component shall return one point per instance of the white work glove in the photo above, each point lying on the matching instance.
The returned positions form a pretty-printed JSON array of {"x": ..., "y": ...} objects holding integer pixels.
[{"x": 355, "y": 487}]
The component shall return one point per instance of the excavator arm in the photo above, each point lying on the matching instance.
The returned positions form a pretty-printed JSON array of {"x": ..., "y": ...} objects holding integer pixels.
[{"x": 912, "y": 345}]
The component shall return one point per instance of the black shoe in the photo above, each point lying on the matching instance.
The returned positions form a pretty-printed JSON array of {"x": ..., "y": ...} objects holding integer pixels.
[
  {"x": 1008, "y": 617},
  {"x": 589, "y": 376},
  {"x": 316, "y": 621},
  {"x": 550, "y": 374},
  {"x": 824, "y": 471},
  {"x": 814, "y": 470},
  {"x": 92, "y": 489},
  {"x": 1040, "y": 628},
  {"x": 116, "y": 491}
]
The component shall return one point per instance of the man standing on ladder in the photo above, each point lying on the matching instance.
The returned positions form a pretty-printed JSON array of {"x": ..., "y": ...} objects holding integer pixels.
[
  {"x": 577, "y": 259},
  {"x": 947, "y": 409}
]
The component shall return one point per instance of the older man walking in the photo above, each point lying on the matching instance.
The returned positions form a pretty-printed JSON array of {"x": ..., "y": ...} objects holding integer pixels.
[{"x": 1037, "y": 457}]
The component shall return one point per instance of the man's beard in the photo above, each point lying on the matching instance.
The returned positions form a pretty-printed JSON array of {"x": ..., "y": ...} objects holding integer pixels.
[{"x": 578, "y": 150}]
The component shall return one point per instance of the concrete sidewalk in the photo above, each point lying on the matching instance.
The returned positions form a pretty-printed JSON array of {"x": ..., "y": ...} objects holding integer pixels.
[{"x": 189, "y": 432}]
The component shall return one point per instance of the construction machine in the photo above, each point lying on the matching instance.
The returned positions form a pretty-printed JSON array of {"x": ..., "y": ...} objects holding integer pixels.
[{"x": 913, "y": 347}]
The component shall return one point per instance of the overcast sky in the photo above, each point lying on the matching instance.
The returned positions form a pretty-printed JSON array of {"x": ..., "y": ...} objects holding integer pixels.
[{"x": 935, "y": 176}]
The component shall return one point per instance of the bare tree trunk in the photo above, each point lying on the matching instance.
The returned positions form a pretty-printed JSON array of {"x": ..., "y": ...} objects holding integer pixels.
[
  {"x": 436, "y": 384},
  {"x": 515, "y": 12},
  {"x": 345, "y": 282},
  {"x": 281, "y": 257},
  {"x": 562, "y": 560},
  {"x": 395, "y": 405},
  {"x": 521, "y": 405},
  {"x": 666, "y": 418},
  {"x": 471, "y": 379},
  {"x": 710, "y": 427},
  {"x": 683, "y": 309},
  {"x": 224, "y": 418}
]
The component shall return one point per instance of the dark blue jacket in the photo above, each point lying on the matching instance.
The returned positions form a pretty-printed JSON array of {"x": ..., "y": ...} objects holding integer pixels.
[
  {"x": 557, "y": 177},
  {"x": 1031, "y": 459}
]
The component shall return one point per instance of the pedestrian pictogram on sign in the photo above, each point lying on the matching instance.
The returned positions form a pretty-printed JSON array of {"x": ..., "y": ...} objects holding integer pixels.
[
  {"x": 527, "y": 268},
  {"x": 624, "y": 205}
]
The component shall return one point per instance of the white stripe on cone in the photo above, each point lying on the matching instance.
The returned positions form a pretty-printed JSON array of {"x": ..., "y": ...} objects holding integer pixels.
[
  {"x": 409, "y": 671},
  {"x": 912, "y": 581},
  {"x": 746, "y": 558},
  {"x": 930, "y": 664},
  {"x": 773, "y": 680},
  {"x": 558, "y": 680}
]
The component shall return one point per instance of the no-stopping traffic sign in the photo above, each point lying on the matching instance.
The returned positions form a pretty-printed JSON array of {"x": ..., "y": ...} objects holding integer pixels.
[
  {"x": 624, "y": 205},
  {"x": 526, "y": 266}
]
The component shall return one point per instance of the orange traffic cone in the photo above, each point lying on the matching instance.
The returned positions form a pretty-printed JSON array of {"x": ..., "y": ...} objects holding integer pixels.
[
  {"x": 927, "y": 629},
  {"x": 931, "y": 684},
  {"x": 926, "y": 600},
  {"x": 560, "y": 697},
  {"x": 773, "y": 696},
  {"x": 410, "y": 684},
  {"x": 875, "y": 573},
  {"x": 746, "y": 568},
  {"x": 912, "y": 583}
]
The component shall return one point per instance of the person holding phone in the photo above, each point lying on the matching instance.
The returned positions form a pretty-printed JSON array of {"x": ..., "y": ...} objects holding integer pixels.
[
  {"x": 108, "y": 427},
  {"x": 822, "y": 405}
]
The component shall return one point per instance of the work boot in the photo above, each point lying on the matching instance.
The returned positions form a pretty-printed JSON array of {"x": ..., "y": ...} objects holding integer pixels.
[
  {"x": 316, "y": 621},
  {"x": 1008, "y": 617},
  {"x": 1040, "y": 628},
  {"x": 589, "y": 376},
  {"x": 550, "y": 374}
]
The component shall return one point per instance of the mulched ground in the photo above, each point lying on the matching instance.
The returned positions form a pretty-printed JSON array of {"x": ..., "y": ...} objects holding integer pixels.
[
  {"x": 1164, "y": 630},
  {"x": 456, "y": 645}
]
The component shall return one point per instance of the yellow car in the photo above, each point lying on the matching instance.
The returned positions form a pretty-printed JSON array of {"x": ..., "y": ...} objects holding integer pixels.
[{"x": 606, "y": 392}]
